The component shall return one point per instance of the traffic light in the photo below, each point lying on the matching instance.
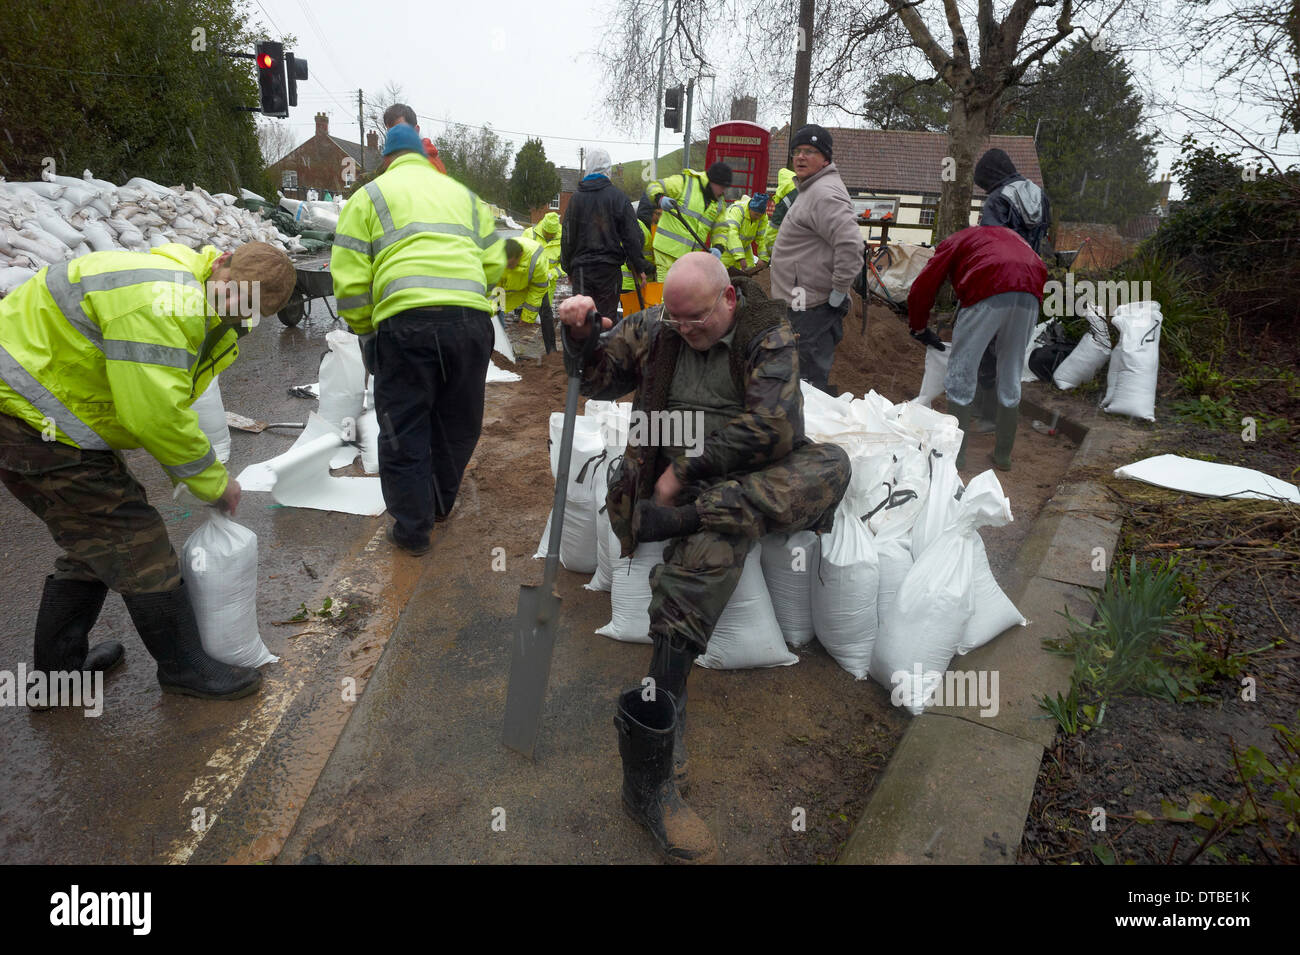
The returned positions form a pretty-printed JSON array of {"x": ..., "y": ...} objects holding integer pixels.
[
  {"x": 673, "y": 108},
  {"x": 296, "y": 67},
  {"x": 270, "y": 79}
]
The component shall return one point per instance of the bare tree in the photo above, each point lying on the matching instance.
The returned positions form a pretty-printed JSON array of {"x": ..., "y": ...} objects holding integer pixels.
[
  {"x": 376, "y": 103},
  {"x": 275, "y": 140}
]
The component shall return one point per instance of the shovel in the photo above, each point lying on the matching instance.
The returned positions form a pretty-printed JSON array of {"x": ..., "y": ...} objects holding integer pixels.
[
  {"x": 240, "y": 423},
  {"x": 539, "y": 607}
]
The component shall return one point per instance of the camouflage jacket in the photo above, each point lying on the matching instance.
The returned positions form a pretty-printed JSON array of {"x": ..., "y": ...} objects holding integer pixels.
[{"x": 640, "y": 353}]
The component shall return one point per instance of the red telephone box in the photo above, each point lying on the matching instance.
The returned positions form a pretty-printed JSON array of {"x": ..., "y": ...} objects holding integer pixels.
[{"x": 742, "y": 146}]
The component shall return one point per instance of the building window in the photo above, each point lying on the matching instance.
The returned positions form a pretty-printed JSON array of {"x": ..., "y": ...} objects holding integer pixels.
[
  {"x": 929, "y": 205},
  {"x": 555, "y": 203},
  {"x": 289, "y": 179}
]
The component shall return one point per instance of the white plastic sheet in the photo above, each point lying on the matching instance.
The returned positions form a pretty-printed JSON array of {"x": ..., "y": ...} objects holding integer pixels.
[
  {"x": 1208, "y": 479},
  {"x": 300, "y": 477}
]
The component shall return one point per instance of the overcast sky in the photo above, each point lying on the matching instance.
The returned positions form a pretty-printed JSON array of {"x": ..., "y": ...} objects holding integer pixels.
[{"x": 524, "y": 67}]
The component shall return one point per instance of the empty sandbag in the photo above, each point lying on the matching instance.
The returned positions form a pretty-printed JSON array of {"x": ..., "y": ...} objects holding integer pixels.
[
  {"x": 212, "y": 419},
  {"x": 936, "y": 368}
]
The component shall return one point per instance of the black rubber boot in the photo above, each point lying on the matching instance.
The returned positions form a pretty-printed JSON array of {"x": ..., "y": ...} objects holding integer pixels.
[
  {"x": 653, "y": 522},
  {"x": 69, "y": 609},
  {"x": 645, "y": 742},
  {"x": 963, "y": 414},
  {"x": 1007, "y": 420},
  {"x": 986, "y": 410},
  {"x": 670, "y": 666},
  {"x": 171, "y": 634}
]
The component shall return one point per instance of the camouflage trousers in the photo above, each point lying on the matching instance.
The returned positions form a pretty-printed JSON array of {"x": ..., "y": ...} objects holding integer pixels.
[
  {"x": 690, "y": 589},
  {"x": 95, "y": 510}
]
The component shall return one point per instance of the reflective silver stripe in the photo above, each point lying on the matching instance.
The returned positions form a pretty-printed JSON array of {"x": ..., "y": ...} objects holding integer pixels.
[
  {"x": 532, "y": 264},
  {"x": 20, "y": 380},
  {"x": 108, "y": 281},
  {"x": 191, "y": 468},
  {"x": 68, "y": 299},
  {"x": 355, "y": 245},
  {"x": 406, "y": 231},
  {"x": 354, "y": 301},
  {"x": 381, "y": 206},
  {"x": 148, "y": 354},
  {"x": 473, "y": 222},
  {"x": 429, "y": 281}
]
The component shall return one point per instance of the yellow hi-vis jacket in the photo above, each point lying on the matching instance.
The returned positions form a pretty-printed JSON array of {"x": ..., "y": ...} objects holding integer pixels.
[
  {"x": 527, "y": 282},
  {"x": 690, "y": 189},
  {"x": 647, "y": 239},
  {"x": 413, "y": 238},
  {"x": 548, "y": 224},
  {"x": 738, "y": 233},
  {"x": 108, "y": 352},
  {"x": 785, "y": 184}
]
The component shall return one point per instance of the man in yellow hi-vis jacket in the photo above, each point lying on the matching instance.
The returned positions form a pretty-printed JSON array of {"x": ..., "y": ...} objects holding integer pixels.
[
  {"x": 693, "y": 209},
  {"x": 415, "y": 253},
  {"x": 524, "y": 283},
  {"x": 104, "y": 353}
]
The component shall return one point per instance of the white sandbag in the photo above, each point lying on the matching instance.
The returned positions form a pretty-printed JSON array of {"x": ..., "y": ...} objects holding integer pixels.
[
  {"x": 629, "y": 597},
  {"x": 578, "y": 537},
  {"x": 908, "y": 486},
  {"x": 1025, "y": 373},
  {"x": 789, "y": 566},
  {"x": 368, "y": 435},
  {"x": 936, "y": 369},
  {"x": 212, "y": 419},
  {"x": 13, "y": 277},
  {"x": 97, "y": 183},
  {"x": 928, "y": 621},
  {"x": 220, "y": 570},
  {"x": 994, "y": 612},
  {"x": 602, "y": 579},
  {"x": 747, "y": 634},
  {"x": 844, "y": 593},
  {"x": 57, "y": 227},
  {"x": 894, "y": 556},
  {"x": 1134, "y": 362},
  {"x": 99, "y": 237},
  {"x": 940, "y": 504},
  {"x": 150, "y": 188},
  {"x": 246, "y": 194},
  {"x": 46, "y": 190},
  {"x": 1093, "y": 351},
  {"x": 323, "y": 216},
  {"x": 42, "y": 253},
  {"x": 342, "y": 390}
]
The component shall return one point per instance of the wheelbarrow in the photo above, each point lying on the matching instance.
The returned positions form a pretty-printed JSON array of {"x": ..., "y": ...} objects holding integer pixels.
[{"x": 313, "y": 281}]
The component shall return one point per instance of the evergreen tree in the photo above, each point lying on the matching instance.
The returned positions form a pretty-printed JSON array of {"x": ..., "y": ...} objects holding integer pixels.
[
  {"x": 534, "y": 181},
  {"x": 899, "y": 101},
  {"x": 1097, "y": 163}
]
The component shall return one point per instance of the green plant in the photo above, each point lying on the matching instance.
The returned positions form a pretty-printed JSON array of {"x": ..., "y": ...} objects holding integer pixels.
[{"x": 1207, "y": 411}]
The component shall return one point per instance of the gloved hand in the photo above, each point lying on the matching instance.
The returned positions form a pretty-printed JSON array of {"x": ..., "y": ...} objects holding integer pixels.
[
  {"x": 926, "y": 336},
  {"x": 839, "y": 301},
  {"x": 717, "y": 253},
  {"x": 368, "y": 349},
  {"x": 665, "y": 203}
]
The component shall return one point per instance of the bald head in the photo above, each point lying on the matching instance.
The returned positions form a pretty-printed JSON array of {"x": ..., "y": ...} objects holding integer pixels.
[
  {"x": 698, "y": 293},
  {"x": 695, "y": 271}
]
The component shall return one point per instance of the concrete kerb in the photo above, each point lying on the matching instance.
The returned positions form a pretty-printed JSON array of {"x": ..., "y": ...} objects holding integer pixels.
[{"x": 958, "y": 788}]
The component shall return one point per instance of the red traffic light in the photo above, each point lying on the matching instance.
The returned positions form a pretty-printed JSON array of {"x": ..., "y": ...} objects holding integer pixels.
[{"x": 265, "y": 61}]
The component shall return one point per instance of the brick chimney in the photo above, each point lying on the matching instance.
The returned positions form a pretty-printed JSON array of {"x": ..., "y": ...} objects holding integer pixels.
[
  {"x": 322, "y": 124},
  {"x": 372, "y": 140}
]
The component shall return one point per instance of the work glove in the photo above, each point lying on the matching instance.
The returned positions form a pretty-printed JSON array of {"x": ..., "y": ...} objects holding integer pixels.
[
  {"x": 839, "y": 301},
  {"x": 665, "y": 203},
  {"x": 926, "y": 336},
  {"x": 368, "y": 349},
  {"x": 717, "y": 253}
]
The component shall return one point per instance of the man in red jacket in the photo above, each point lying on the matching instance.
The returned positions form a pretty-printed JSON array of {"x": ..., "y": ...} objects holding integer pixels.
[{"x": 999, "y": 283}]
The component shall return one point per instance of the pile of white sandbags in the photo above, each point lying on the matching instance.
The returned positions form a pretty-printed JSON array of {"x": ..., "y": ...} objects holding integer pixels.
[
  {"x": 903, "y": 504},
  {"x": 60, "y": 218}
]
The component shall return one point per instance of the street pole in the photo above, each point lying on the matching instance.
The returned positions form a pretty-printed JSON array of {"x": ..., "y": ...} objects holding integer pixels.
[
  {"x": 362, "y": 126},
  {"x": 690, "y": 98},
  {"x": 802, "y": 72},
  {"x": 659, "y": 93}
]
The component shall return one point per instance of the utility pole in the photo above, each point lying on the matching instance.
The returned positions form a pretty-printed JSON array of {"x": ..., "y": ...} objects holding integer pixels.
[
  {"x": 802, "y": 71},
  {"x": 582, "y": 161},
  {"x": 362, "y": 126},
  {"x": 659, "y": 93},
  {"x": 690, "y": 99}
]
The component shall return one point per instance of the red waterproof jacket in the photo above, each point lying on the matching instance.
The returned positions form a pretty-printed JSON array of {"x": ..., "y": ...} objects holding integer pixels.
[{"x": 982, "y": 261}]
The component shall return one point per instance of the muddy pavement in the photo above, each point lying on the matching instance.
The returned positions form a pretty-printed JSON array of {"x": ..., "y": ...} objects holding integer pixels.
[
  {"x": 420, "y": 774},
  {"x": 144, "y": 781}
]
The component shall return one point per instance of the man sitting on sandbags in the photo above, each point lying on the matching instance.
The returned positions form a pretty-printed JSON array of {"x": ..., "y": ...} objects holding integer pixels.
[{"x": 753, "y": 474}]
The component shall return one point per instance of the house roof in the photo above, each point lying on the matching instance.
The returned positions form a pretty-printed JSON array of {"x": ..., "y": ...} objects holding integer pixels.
[
  {"x": 354, "y": 150},
  {"x": 905, "y": 162},
  {"x": 569, "y": 178}
]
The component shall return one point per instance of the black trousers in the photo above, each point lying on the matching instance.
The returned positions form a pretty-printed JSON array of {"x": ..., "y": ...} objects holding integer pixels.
[
  {"x": 430, "y": 371},
  {"x": 818, "y": 329},
  {"x": 546, "y": 315},
  {"x": 603, "y": 283}
]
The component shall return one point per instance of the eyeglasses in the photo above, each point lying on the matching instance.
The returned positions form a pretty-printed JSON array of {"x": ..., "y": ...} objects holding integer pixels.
[
  {"x": 807, "y": 151},
  {"x": 679, "y": 324}
]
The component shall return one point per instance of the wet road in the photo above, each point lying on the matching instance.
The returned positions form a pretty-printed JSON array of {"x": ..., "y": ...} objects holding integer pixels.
[{"x": 144, "y": 781}]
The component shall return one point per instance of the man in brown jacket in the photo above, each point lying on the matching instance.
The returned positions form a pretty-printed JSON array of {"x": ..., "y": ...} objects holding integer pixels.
[{"x": 818, "y": 253}]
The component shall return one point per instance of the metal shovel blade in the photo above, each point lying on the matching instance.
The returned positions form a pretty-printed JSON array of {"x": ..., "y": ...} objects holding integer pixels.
[
  {"x": 530, "y": 667},
  {"x": 240, "y": 423}
]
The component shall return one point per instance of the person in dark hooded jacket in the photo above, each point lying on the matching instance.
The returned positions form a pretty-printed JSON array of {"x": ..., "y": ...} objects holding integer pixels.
[
  {"x": 599, "y": 235},
  {"x": 1020, "y": 205}
]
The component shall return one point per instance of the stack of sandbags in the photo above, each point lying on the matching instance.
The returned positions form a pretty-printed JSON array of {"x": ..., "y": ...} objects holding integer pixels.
[{"x": 60, "y": 218}]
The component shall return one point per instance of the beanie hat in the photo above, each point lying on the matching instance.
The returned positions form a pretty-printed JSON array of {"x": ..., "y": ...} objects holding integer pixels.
[
  {"x": 720, "y": 174},
  {"x": 815, "y": 136},
  {"x": 402, "y": 137},
  {"x": 758, "y": 200}
]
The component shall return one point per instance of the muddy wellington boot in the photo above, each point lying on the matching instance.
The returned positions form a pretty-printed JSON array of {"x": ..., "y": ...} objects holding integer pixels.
[
  {"x": 986, "y": 410},
  {"x": 645, "y": 742},
  {"x": 670, "y": 666},
  {"x": 69, "y": 609},
  {"x": 654, "y": 522},
  {"x": 171, "y": 634},
  {"x": 963, "y": 415},
  {"x": 1007, "y": 420}
]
